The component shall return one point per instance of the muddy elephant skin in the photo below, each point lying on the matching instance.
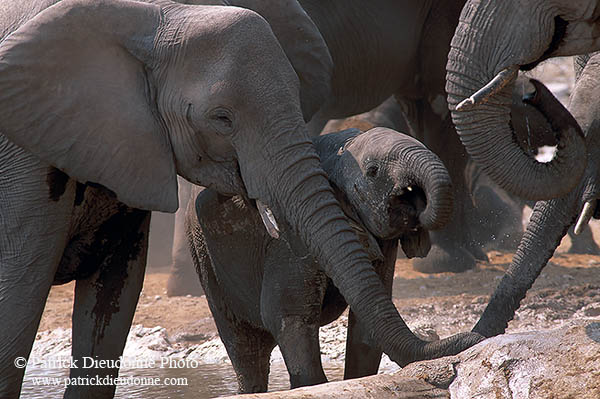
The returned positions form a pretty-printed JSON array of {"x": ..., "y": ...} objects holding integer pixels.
[{"x": 392, "y": 189}]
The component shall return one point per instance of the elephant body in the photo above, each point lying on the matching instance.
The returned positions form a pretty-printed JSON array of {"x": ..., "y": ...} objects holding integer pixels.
[
  {"x": 388, "y": 48},
  {"x": 63, "y": 231},
  {"x": 260, "y": 290},
  {"x": 122, "y": 96}
]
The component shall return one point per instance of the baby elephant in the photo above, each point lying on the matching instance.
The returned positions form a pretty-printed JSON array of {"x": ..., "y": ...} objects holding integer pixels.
[{"x": 264, "y": 291}]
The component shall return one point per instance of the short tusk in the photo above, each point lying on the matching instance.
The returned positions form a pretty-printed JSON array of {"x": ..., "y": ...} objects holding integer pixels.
[
  {"x": 503, "y": 78},
  {"x": 268, "y": 219},
  {"x": 586, "y": 215}
]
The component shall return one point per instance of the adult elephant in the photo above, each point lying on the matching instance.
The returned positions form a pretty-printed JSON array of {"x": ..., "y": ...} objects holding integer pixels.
[
  {"x": 494, "y": 39},
  {"x": 382, "y": 178},
  {"x": 380, "y": 49},
  {"x": 552, "y": 219},
  {"x": 102, "y": 104}
]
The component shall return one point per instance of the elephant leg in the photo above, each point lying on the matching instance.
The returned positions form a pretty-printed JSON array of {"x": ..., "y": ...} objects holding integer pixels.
[
  {"x": 105, "y": 302},
  {"x": 583, "y": 243},
  {"x": 291, "y": 301},
  {"x": 36, "y": 202},
  {"x": 248, "y": 347},
  {"x": 362, "y": 355},
  {"x": 183, "y": 279}
]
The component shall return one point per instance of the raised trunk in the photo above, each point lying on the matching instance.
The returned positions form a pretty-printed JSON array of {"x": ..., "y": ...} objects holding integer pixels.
[
  {"x": 486, "y": 129},
  {"x": 550, "y": 220},
  {"x": 302, "y": 196},
  {"x": 429, "y": 173},
  {"x": 549, "y": 223}
]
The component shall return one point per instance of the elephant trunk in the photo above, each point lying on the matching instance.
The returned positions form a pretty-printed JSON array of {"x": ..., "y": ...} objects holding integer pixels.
[
  {"x": 300, "y": 193},
  {"x": 549, "y": 223},
  {"x": 485, "y": 128},
  {"x": 427, "y": 171},
  {"x": 550, "y": 220}
]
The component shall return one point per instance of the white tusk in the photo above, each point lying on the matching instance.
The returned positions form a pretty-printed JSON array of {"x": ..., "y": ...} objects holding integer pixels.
[
  {"x": 409, "y": 188},
  {"x": 586, "y": 215},
  {"x": 268, "y": 219},
  {"x": 503, "y": 78}
]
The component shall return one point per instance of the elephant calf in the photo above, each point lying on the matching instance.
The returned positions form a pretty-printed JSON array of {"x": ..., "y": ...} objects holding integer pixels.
[{"x": 265, "y": 292}]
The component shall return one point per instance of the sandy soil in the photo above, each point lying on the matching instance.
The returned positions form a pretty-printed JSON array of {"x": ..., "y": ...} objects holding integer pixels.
[{"x": 440, "y": 304}]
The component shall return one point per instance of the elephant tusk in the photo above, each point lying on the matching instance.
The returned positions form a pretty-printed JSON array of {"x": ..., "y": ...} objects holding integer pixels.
[
  {"x": 586, "y": 215},
  {"x": 268, "y": 219},
  {"x": 503, "y": 78}
]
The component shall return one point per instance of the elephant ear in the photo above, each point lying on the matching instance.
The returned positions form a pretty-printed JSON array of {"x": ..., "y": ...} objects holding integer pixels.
[
  {"x": 74, "y": 91},
  {"x": 304, "y": 46},
  {"x": 330, "y": 146}
]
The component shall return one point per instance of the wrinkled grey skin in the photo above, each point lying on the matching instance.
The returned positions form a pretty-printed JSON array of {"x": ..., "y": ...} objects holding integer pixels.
[
  {"x": 182, "y": 278},
  {"x": 122, "y": 96},
  {"x": 413, "y": 40},
  {"x": 552, "y": 219},
  {"x": 493, "y": 35},
  {"x": 408, "y": 61},
  {"x": 497, "y": 216},
  {"x": 262, "y": 292}
]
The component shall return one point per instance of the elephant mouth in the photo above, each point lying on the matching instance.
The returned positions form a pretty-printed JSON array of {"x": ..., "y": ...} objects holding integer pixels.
[
  {"x": 404, "y": 208},
  {"x": 509, "y": 74},
  {"x": 560, "y": 32}
]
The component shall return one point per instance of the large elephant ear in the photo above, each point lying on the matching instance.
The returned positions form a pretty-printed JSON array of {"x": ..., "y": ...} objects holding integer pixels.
[
  {"x": 74, "y": 91},
  {"x": 304, "y": 46}
]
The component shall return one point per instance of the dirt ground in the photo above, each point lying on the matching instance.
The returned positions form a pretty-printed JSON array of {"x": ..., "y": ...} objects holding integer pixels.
[{"x": 445, "y": 303}]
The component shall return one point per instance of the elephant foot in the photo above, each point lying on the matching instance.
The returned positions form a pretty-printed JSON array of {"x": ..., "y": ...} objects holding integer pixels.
[
  {"x": 478, "y": 252},
  {"x": 583, "y": 248},
  {"x": 182, "y": 285},
  {"x": 439, "y": 260}
]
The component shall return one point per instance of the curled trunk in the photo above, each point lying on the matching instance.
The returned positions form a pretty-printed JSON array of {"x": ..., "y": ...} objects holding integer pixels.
[
  {"x": 486, "y": 129},
  {"x": 550, "y": 220},
  {"x": 301, "y": 194},
  {"x": 428, "y": 172}
]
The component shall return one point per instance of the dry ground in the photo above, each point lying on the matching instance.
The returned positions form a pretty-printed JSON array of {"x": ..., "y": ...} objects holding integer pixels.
[{"x": 445, "y": 302}]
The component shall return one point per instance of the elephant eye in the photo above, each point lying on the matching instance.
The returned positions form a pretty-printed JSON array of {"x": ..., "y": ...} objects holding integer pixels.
[
  {"x": 372, "y": 170},
  {"x": 222, "y": 119}
]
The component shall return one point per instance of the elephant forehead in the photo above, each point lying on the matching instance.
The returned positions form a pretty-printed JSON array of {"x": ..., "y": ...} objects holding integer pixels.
[{"x": 381, "y": 143}]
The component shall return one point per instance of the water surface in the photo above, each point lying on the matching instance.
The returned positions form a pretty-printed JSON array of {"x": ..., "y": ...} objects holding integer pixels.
[{"x": 205, "y": 381}]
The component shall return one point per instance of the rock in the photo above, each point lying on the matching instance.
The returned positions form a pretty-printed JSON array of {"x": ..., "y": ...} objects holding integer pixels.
[
  {"x": 560, "y": 363},
  {"x": 439, "y": 372},
  {"x": 380, "y": 386}
]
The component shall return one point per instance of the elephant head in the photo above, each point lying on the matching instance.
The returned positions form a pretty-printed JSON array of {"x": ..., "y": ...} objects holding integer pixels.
[
  {"x": 493, "y": 40},
  {"x": 394, "y": 185},
  {"x": 126, "y": 94},
  {"x": 551, "y": 219}
]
